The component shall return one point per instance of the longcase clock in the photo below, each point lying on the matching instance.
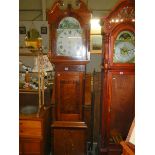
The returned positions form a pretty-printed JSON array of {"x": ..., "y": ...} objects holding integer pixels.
[
  {"x": 69, "y": 40},
  {"x": 118, "y": 76}
]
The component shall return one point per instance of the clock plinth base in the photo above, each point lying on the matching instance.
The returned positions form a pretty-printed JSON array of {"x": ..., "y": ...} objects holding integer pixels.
[{"x": 69, "y": 138}]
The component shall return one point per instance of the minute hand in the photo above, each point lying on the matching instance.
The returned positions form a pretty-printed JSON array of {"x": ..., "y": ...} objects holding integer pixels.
[
  {"x": 128, "y": 50},
  {"x": 131, "y": 50}
]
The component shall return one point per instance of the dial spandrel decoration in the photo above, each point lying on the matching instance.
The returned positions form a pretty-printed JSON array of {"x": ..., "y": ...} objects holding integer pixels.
[
  {"x": 124, "y": 50},
  {"x": 70, "y": 38}
]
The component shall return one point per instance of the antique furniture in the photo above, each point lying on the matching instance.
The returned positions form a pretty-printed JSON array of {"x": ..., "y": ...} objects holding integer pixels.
[
  {"x": 129, "y": 144},
  {"x": 34, "y": 113},
  {"x": 34, "y": 133},
  {"x": 128, "y": 148},
  {"x": 118, "y": 76},
  {"x": 27, "y": 75},
  {"x": 69, "y": 40}
]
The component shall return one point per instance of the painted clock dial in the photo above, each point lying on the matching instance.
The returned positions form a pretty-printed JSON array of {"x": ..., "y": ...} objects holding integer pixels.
[
  {"x": 124, "y": 50},
  {"x": 70, "y": 38}
]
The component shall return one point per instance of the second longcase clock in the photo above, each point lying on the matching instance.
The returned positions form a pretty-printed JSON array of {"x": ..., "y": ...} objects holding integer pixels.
[{"x": 118, "y": 77}]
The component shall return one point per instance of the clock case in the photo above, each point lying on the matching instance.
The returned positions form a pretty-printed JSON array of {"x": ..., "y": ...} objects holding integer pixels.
[
  {"x": 124, "y": 13},
  {"x": 118, "y": 82},
  {"x": 68, "y": 122},
  {"x": 81, "y": 14},
  {"x": 69, "y": 70}
]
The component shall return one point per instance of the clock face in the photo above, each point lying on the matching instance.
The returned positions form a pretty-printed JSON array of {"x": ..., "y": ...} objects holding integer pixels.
[
  {"x": 124, "y": 51},
  {"x": 70, "y": 38},
  {"x": 69, "y": 42}
]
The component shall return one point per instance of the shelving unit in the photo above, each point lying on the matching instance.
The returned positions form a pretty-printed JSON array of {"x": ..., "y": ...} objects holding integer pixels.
[
  {"x": 34, "y": 120},
  {"x": 28, "y": 52}
]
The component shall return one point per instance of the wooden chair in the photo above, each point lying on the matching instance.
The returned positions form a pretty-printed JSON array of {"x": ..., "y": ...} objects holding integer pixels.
[
  {"x": 128, "y": 145},
  {"x": 128, "y": 148}
]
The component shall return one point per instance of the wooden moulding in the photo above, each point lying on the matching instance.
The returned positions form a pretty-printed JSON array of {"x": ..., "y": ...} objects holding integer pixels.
[{"x": 67, "y": 124}]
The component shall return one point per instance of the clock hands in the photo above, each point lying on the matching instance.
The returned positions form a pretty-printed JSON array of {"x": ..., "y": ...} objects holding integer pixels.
[
  {"x": 125, "y": 51},
  {"x": 131, "y": 50}
]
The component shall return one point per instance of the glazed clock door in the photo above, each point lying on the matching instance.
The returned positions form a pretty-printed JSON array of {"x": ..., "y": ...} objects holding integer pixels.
[
  {"x": 70, "y": 96},
  {"x": 70, "y": 38},
  {"x": 124, "y": 48},
  {"x": 121, "y": 104},
  {"x": 122, "y": 52}
]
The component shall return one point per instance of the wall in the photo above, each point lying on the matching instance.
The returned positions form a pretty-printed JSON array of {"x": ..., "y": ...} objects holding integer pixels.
[
  {"x": 94, "y": 64},
  {"x": 37, "y": 25},
  {"x": 32, "y": 9}
]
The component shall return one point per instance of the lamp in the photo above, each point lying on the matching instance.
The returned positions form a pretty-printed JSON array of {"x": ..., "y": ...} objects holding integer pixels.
[
  {"x": 41, "y": 65},
  {"x": 47, "y": 66}
]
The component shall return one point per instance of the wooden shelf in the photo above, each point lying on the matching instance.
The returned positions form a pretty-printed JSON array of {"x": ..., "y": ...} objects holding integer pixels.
[
  {"x": 29, "y": 91},
  {"x": 29, "y": 72},
  {"x": 30, "y": 52}
]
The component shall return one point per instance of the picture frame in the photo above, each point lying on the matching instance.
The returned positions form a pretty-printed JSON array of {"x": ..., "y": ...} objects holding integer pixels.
[
  {"x": 43, "y": 30},
  {"x": 22, "y": 30},
  {"x": 96, "y": 43}
]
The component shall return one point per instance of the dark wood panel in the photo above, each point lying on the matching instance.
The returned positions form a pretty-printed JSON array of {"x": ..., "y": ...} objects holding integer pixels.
[
  {"x": 118, "y": 106},
  {"x": 20, "y": 147},
  {"x": 87, "y": 89},
  {"x": 87, "y": 119},
  {"x": 32, "y": 147},
  {"x": 122, "y": 104},
  {"x": 69, "y": 95},
  {"x": 33, "y": 98},
  {"x": 28, "y": 99},
  {"x": 97, "y": 106},
  {"x": 111, "y": 150},
  {"x": 71, "y": 141},
  {"x": 67, "y": 67}
]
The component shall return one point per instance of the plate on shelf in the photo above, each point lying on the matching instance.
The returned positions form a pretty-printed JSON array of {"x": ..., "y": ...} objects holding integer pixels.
[{"x": 29, "y": 109}]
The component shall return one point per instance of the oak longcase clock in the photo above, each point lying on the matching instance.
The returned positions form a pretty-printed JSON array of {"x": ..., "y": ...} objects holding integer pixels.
[
  {"x": 69, "y": 40},
  {"x": 118, "y": 76}
]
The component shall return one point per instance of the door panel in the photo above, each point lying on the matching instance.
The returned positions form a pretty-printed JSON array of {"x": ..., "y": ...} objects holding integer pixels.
[
  {"x": 122, "y": 105},
  {"x": 70, "y": 96}
]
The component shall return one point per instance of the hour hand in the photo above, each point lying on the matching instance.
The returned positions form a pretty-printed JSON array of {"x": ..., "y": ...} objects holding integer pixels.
[{"x": 125, "y": 50}]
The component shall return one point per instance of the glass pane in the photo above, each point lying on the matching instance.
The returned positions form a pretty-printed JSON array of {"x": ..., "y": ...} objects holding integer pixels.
[
  {"x": 124, "y": 49},
  {"x": 70, "y": 38}
]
